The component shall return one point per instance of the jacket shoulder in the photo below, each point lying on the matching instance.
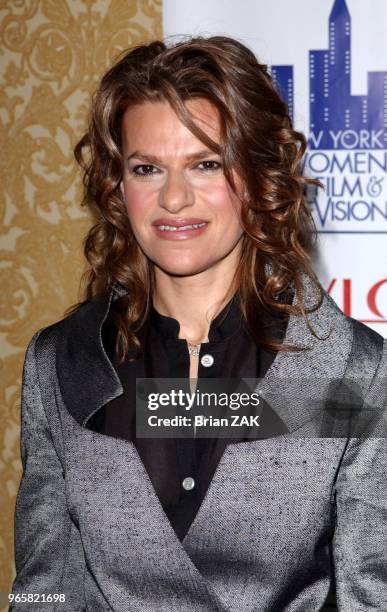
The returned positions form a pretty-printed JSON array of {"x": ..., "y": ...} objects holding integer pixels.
[{"x": 365, "y": 340}]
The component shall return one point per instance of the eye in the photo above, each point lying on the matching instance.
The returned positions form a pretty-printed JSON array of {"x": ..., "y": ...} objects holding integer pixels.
[
  {"x": 210, "y": 168},
  {"x": 143, "y": 170}
]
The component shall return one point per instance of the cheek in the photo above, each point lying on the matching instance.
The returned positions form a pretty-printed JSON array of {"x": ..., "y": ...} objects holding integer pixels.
[
  {"x": 225, "y": 203},
  {"x": 136, "y": 203}
]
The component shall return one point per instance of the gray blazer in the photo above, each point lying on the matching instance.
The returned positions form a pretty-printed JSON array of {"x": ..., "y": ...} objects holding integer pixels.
[{"x": 285, "y": 520}]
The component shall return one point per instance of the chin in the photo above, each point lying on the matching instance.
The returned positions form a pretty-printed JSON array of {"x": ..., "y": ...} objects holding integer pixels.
[{"x": 181, "y": 268}]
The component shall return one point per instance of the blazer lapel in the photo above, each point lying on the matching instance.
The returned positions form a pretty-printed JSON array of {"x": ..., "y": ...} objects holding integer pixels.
[
  {"x": 298, "y": 384},
  {"x": 87, "y": 378},
  {"x": 108, "y": 485}
]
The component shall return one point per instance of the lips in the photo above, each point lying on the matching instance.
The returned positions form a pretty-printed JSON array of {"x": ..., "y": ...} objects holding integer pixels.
[
  {"x": 179, "y": 224},
  {"x": 179, "y": 228}
]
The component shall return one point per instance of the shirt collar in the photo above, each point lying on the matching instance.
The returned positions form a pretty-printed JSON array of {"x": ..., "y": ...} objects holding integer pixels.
[{"x": 223, "y": 326}]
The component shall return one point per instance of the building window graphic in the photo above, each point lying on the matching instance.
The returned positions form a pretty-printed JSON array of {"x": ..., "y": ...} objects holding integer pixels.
[
  {"x": 362, "y": 119},
  {"x": 283, "y": 78}
]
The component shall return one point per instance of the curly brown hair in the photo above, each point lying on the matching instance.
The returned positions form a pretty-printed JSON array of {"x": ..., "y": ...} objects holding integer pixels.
[{"x": 257, "y": 141}]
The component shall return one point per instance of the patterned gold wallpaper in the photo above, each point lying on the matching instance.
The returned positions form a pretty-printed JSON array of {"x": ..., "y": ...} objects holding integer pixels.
[{"x": 52, "y": 53}]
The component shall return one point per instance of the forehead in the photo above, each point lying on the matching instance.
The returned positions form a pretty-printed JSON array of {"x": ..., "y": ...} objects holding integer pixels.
[{"x": 158, "y": 120}]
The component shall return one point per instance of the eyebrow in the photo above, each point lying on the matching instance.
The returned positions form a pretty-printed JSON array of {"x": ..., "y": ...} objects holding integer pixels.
[{"x": 153, "y": 159}]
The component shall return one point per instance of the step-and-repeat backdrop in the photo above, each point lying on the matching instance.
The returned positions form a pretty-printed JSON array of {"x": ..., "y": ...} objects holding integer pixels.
[{"x": 329, "y": 59}]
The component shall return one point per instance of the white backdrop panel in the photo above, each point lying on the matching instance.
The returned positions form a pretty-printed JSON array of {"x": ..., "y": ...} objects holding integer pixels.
[{"x": 348, "y": 122}]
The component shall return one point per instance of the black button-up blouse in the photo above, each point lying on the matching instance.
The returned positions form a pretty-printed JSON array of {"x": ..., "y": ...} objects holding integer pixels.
[{"x": 169, "y": 461}]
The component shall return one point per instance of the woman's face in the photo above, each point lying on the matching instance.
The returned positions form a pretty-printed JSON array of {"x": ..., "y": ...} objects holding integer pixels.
[{"x": 170, "y": 181}]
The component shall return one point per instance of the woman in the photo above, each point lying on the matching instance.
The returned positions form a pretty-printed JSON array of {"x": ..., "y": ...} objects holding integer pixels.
[{"x": 200, "y": 269}]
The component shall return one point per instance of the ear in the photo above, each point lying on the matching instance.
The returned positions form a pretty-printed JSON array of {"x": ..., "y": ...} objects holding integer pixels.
[{"x": 122, "y": 189}]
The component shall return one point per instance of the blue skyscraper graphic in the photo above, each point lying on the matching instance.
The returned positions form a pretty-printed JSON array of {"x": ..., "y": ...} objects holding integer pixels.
[
  {"x": 362, "y": 120},
  {"x": 283, "y": 79}
]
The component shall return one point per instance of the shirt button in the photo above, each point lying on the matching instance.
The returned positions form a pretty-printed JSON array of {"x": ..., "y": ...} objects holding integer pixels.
[
  {"x": 207, "y": 360},
  {"x": 188, "y": 483}
]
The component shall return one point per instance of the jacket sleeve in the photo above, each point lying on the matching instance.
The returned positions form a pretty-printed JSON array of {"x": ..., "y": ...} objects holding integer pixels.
[
  {"x": 360, "y": 539},
  {"x": 48, "y": 553}
]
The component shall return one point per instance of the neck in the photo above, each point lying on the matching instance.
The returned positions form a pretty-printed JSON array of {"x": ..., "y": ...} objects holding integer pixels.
[{"x": 193, "y": 300}]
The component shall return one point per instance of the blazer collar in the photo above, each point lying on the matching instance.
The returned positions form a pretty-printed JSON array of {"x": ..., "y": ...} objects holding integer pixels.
[
  {"x": 88, "y": 379},
  {"x": 86, "y": 375}
]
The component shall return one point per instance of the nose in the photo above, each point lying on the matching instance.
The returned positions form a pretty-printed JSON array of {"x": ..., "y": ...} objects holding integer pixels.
[{"x": 177, "y": 193}]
